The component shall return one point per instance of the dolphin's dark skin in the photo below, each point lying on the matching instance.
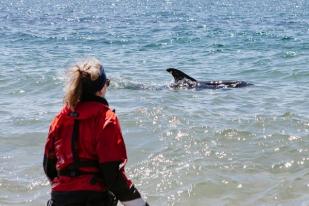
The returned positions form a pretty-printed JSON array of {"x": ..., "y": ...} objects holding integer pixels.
[{"x": 183, "y": 80}]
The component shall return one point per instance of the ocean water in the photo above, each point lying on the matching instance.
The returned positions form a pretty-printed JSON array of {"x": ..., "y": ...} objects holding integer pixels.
[{"x": 229, "y": 147}]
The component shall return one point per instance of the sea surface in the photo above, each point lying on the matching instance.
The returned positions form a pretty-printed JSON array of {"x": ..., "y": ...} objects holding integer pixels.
[{"x": 224, "y": 147}]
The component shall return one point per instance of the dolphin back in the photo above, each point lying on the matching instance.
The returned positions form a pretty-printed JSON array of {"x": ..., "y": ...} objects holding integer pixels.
[
  {"x": 183, "y": 80},
  {"x": 223, "y": 84}
]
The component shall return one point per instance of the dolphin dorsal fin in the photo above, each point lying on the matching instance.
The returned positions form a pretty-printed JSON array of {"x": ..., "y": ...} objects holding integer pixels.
[{"x": 179, "y": 75}]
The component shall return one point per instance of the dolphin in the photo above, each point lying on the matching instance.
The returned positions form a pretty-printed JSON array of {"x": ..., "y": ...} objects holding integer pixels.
[{"x": 183, "y": 80}]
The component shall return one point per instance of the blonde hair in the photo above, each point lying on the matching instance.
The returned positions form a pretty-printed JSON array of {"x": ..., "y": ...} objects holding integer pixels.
[{"x": 88, "y": 69}]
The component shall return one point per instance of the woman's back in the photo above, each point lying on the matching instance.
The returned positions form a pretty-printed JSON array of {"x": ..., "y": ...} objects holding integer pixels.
[
  {"x": 85, "y": 154},
  {"x": 91, "y": 117}
]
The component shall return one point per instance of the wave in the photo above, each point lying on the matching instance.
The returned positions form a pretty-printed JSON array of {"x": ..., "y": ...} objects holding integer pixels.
[{"x": 118, "y": 83}]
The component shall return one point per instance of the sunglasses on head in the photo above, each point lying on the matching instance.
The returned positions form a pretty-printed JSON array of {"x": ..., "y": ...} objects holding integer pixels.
[{"x": 107, "y": 83}]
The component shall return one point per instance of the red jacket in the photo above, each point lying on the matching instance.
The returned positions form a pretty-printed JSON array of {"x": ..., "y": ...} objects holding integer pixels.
[{"x": 100, "y": 139}]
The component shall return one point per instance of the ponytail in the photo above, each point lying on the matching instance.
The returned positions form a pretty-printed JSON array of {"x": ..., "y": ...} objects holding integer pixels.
[
  {"x": 74, "y": 88},
  {"x": 83, "y": 78}
]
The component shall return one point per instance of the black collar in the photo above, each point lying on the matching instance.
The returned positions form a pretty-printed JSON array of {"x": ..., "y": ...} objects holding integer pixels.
[{"x": 94, "y": 98}]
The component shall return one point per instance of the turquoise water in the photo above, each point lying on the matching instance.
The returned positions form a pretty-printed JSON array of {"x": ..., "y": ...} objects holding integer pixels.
[{"x": 245, "y": 146}]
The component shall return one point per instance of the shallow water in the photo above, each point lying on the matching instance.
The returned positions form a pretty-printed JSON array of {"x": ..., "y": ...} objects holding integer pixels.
[{"x": 246, "y": 146}]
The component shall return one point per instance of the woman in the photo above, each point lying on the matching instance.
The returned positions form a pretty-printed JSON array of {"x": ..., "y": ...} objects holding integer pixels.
[{"x": 85, "y": 153}]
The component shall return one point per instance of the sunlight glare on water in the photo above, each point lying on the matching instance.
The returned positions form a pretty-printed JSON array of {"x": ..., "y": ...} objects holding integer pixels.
[{"x": 246, "y": 146}]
